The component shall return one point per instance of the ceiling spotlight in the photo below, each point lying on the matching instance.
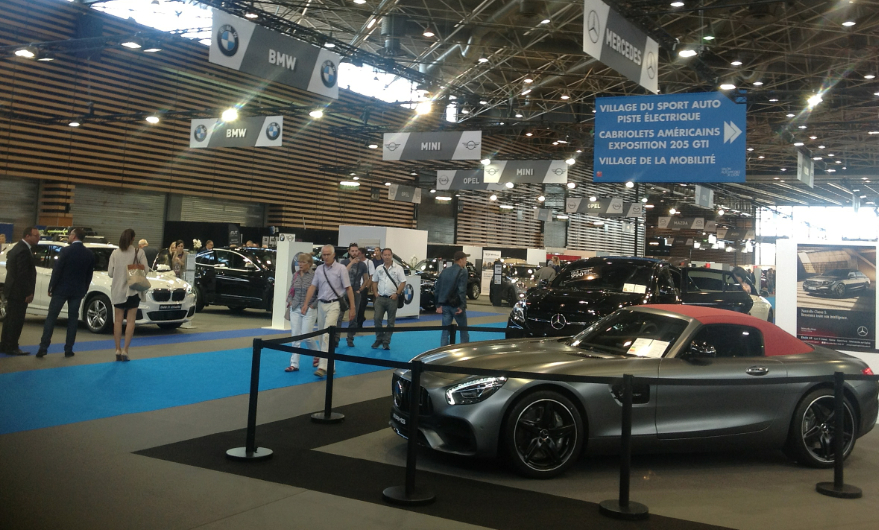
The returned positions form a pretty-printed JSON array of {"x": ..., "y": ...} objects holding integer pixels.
[
  {"x": 644, "y": 199},
  {"x": 316, "y": 114},
  {"x": 821, "y": 147},
  {"x": 483, "y": 102},
  {"x": 813, "y": 138},
  {"x": 28, "y": 52},
  {"x": 529, "y": 134},
  {"x": 783, "y": 169},
  {"x": 630, "y": 184},
  {"x": 849, "y": 23},
  {"x": 736, "y": 63},
  {"x": 372, "y": 146},
  {"x": 349, "y": 184},
  {"x": 493, "y": 197},
  {"x": 428, "y": 33},
  {"x": 250, "y": 14},
  {"x": 870, "y": 76},
  {"x": 593, "y": 198},
  {"x": 152, "y": 46},
  {"x": 483, "y": 59},
  {"x": 509, "y": 185},
  {"x": 677, "y": 4},
  {"x": 688, "y": 52},
  {"x": 387, "y": 183},
  {"x": 134, "y": 43},
  {"x": 442, "y": 198},
  {"x": 816, "y": 158},
  {"x": 518, "y": 114},
  {"x": 801, "y": 127},
  {"x": 545, "y": 21},
  {"x": 152, "y": 119},
  {"x": 672, "y": 211},
  {"x": 708, "y": 38},
  {"x": 433, "y": 191},
  {"x": 465, "y": 110},
  {"x": 45, "y": 56},
  {"x": 74, "y": 123},
  {"x": 423, "y": 108},
  {"x": 527, "y": 80},
  {"x": 230, "y": 115},
  {"x": 356, "y": 178},
  {"x": 526, "y": 92},
  {"x": 750, "y": 149},
  {"x": 571, "y": 185},
  {"x": 727, "y": 86},
  {"x": 329, "y": 45},
  {"x": 570, "y": 161},
  {"x": 561, "y": 216},
  {"x": 541, "y": 198},
  {"x": 798, "y": 144},
  {"x": 790, "y": 114},
  {"x": 758, "y": 83},
  {"x": 485, "y": 161},
  {"x": 565, "y": 96},
  {"x": 773, "y": 100},
  {"x": 814, "y": 100}
]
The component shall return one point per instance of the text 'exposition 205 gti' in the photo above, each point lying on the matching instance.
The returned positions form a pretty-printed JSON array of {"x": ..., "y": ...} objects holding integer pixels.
[{"x": 543, "y": 426}]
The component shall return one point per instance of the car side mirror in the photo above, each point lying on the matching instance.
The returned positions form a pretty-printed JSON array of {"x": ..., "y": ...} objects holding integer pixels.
[
  {"x": 701, "y": 349},
  {"x": 249, "y": 265}
]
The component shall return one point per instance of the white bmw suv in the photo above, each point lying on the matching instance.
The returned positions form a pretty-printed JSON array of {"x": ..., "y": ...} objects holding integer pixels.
[{"x": 169, "y": 303}]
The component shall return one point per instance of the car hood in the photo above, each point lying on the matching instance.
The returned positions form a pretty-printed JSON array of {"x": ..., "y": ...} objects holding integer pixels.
[
  {"x": 546, "y": 355},
  {"x": 821, "y": 278},
  {"x": 569, "y": 301}
]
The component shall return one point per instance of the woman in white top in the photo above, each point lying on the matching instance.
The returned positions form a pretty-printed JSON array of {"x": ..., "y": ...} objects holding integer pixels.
[{"x": 124, "y": 299}]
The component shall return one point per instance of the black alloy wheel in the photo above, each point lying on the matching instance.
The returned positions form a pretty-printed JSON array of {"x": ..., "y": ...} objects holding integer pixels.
[
  {"x": 839, "y": 290},
  {"x": 543, "y": 434},
  {"x": 98, "y": 314},
  {"x": 2, "y": 304},
  {"x": 199, "y": 299},
  {"x": 810, "y": 440},
  {"x": 473, "y": 291}
]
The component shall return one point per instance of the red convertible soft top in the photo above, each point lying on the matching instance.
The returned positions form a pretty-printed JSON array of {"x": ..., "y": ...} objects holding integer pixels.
[{"x": 776, "y": 340}]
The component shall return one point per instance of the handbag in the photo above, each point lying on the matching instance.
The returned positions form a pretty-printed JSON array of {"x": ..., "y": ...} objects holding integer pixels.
[
  {"x": 400, "y": 301},
  {"x": 455, "y": 299},
  {"x": 137, "y": 279},
  {"x": 343, "y": 302}
]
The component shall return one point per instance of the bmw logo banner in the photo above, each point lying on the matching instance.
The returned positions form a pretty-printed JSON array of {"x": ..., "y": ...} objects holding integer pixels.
[
  {"x": 247, "y": 47},
  {"x": 458, "y": 145},
  {"x": 253, "y": 131},
  {"x": 526, "y": 172},
  {"x": 616, "y": 42}
]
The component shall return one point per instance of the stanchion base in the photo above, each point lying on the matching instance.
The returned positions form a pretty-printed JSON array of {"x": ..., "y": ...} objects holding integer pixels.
[
  {"x": 419, "y": 497},
  {"x": 240, "y": 453},
  {"x": 843, "y": 492},
  {"x": 634, "y": 511},
  {"x": 334, "y": 417}
]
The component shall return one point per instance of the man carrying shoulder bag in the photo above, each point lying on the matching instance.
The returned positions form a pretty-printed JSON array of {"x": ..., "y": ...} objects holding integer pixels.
[{"x": 451, "y": 296}]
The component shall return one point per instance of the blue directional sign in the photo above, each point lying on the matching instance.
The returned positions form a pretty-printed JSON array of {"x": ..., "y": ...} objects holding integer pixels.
[{"x": 669, "y": 138}]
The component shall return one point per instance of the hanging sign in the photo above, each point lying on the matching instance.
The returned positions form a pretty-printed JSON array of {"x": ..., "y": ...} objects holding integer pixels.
[
  {"x": 670, "y": 138},
  {"x": 455, "y": 145},
  {"x": 464, "y": 179},
  {"x": 253, "y": 49},
  {"x": 619, "y": 44},
  {"x": 704, "y": 197},
  {"x": 805, "y": 169},
  {"x": 544, "y": 214},
  {"x": 527, "y": 172},
  {"x": 681, "y": 223},
  {"x": 396, "y": 192},
  {"x": 254, "y": 131},
  {"x": 735, "y": 234},
  {"x": 608, "y": 207}
]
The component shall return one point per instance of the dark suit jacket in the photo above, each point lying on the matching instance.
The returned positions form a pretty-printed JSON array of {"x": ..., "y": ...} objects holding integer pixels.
[
  {"x": 21, "y": 274},
  {"x": 72, "y": 273}
]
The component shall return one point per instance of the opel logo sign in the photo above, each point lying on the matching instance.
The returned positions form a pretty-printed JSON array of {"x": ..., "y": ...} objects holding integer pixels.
[
  {"x": 558, "y": 321},
  {"x": 862, "y": 331},
  {"x": 651, "y": 65},
  {"x": 593, "y": 27}
]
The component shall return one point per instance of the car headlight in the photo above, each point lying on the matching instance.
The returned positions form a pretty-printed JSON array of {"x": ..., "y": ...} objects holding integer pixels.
[
  {"x": 188, "y": 288},
  {"x": 518, "y": 312},
  {"x": 474, "y": 391}
]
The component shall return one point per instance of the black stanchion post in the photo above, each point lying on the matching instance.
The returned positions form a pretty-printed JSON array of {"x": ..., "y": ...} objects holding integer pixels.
[
  {"x": 452, "y": 329},
  {"x": 250, "y": 451},
  {"x": 409, "y": 494},
  {"x": 328, "y": 416},
  {"x": 837, "y": 488},
  {"x": 622, "y": 508}
]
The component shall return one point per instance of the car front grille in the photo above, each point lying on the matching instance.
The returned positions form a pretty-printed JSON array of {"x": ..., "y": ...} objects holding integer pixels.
[
  {"x": 401, "y": 390},
  {"x": 158, "y": 316},
  {"x": 540, "y": 323},
  {"x": 165, "y": 295}
]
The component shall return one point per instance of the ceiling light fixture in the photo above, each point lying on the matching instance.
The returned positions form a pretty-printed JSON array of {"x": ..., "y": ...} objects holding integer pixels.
[
  {"x": 132, "y": 44},
  {"x": 565, "y": 96},
  {"x": 736, "y": 63},
  {"x": 571, "y": 185},
  {"x": 849, "y": 23},
  {"x": 74, "y": 123},
  {"x": 230, "y": 115},
  {"x": 790, "y": 114},
  {"x": 316, "y": 114},
  {"x": 545, "y": 21},
  {"x": 814, "y": 100},
  {"x": 870, "y": 76},
  {"x": 630, "y": 184},
  {"x": 250, "y": 14},
  {"x": 27, "y": 52},
  {"x": 687, "y": 52},
  {"x": 727, "y": 86},
  {"x": 423, "y": 108},
  {"x": 427, "y": 33},
  {"x": 509, "y": 185},
  {"x": 152, "y": 119},
  {"x": 485, "y": 161},
  {"x": 541, "y": 198},
  {"x": 799, "y": 144},
  {"x": 528, "y": 80},
  {"x": 570, "y": 161},
  {"x": 493, "y": 197},
  {"x": 758, "y": 83},
  {"x": 483, "y": 59}
]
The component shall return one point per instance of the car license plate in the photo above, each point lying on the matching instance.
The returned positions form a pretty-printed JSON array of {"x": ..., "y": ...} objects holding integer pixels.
[
  {"x": 808, "y": 288},
  {"x": 164, "y": 307},
  {"x": 398, "y": 418}
]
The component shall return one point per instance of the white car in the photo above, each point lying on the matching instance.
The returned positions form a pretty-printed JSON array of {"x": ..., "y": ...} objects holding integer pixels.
[{"x": 168, "y": 304}]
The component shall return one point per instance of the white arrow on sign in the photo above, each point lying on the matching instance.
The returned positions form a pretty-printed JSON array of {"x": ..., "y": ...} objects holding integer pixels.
[{"x": 730, "y": 132}]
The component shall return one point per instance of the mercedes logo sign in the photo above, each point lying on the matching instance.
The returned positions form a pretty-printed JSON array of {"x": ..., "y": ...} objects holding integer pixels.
[
  {"x": 593, "y": 25},
  {"x": 651, "y": 65},
  {"x": 863, "y": 331},
  {"x": 558, "y": 321}
]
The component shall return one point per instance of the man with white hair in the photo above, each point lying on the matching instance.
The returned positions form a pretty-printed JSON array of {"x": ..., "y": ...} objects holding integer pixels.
[{"x": 331, "y": 282}]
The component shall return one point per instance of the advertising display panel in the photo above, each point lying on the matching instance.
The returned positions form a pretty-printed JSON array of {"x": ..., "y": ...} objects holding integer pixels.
[
  {"x": 454, "y": 145},
  {"x": 254, "y": 131},
  {"x": 464, "y": 179},
  {"x": 670, "y": 138},
  {"x": 527, "y": 172},
  {"x": 836, "y": 295},
  {"x": 606, "y": 207},
  {"x": 398, "y": 192},
  {"x": 250, "y": 48}
]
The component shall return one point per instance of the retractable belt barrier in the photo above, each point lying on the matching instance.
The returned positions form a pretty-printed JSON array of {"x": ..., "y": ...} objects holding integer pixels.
[{"x": 621, "y": 508}]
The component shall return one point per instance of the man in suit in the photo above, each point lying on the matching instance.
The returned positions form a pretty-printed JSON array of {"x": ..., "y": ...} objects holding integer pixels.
[
  {"x": 70, "y": 280},
  {"x": 21, "y": 280}
]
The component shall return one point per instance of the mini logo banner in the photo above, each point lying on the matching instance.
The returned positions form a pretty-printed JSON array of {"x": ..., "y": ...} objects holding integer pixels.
[
  {"x": 608, "y": 207},
  {"x": 465, "y": 179},
  {"x": 396, "y": 192},
  {"x": 681, "y": 223},
  {"x": 526, "y": 172},
  {"x": 254, "y": 131},
  {"x": 455, "y": 145},
  {"x": 616, "y": 42},
  {"x": 247, "y": 47}
]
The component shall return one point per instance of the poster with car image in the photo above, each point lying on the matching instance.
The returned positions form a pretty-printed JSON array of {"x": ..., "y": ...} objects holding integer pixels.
[{"x": 836, "y": 295}]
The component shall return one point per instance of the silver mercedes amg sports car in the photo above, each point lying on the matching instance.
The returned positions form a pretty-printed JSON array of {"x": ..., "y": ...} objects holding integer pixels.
[{"x": 542, "y": 427}]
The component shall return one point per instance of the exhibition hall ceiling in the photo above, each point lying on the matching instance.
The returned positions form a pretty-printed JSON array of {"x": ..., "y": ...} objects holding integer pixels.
[{"x": 776, "y": 53}]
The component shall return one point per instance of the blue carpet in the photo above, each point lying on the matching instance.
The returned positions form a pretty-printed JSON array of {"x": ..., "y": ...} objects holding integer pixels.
[{"x": 57, "y": 396}]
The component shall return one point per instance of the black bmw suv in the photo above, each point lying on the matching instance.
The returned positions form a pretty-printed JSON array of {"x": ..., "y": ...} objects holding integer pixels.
[
  {"x": 589, "y": 289},
  {"x": 428, "y": 270},
  {"x": 238, "y": 278}
]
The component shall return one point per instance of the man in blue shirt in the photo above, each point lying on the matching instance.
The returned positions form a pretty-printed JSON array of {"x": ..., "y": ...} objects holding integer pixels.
[{"x": 451, "y": 297}]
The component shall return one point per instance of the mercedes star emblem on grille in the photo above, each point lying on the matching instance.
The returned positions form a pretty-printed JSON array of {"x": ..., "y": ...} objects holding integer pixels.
[{"x": 558, "y": 321}]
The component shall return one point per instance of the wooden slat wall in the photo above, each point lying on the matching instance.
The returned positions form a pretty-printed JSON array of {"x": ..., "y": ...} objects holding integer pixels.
[
  {"x": 54, "y": 204},
  {"x": 158, "y": 158}
]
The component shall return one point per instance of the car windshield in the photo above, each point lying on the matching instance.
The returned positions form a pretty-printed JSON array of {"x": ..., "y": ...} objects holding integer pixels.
[
  {"x": 837, "y": 273},
  {"x": 520, "y": 271},
  {"x": 426, "y": 266},
  {"x": 102, "y": 258},
  {"x": 264, "y": 257},
  {"x": 631, "y": 333},
  {"x": 610, "y": 275}
]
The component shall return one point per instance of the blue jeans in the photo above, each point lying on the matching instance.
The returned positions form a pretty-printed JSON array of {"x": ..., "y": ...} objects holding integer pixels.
[
  {"x": 55, "y": 306},
  {"x": 461, "y": 320}
]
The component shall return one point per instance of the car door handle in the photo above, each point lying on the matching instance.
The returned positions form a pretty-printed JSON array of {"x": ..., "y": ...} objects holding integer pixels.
[{"x": 757, "y": 370}]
